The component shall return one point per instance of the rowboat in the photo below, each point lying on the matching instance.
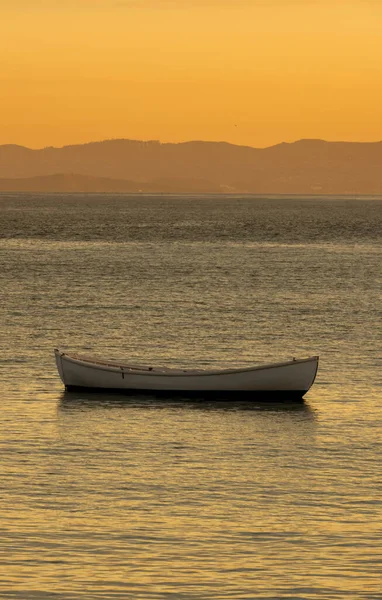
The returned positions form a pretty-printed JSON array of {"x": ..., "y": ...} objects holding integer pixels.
[{"x": 292, "y": 378}]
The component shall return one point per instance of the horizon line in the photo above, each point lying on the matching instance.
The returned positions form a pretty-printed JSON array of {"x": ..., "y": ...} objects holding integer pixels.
[{"x": 196, "y": 141}]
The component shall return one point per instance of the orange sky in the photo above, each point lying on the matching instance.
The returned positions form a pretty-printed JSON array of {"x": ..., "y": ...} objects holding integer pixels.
[{"x": 253, "y": 72}]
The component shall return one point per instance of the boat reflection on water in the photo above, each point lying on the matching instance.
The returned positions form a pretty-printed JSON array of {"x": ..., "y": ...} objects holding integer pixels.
[
  {"x": 86, "y": 400},
  {"x": 92, "y": 421}
]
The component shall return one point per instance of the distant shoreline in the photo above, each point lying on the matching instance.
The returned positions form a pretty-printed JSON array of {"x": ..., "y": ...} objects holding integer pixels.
[
  {"x": 217, "y": 195},
  {"x": 306, "y": 167}
]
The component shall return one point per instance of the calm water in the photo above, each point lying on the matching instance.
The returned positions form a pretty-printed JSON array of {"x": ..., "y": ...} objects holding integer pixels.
[{"x": 106, "y": 497}]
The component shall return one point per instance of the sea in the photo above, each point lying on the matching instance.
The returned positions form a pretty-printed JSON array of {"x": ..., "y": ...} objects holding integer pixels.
[{"x": 139, "y": 497}]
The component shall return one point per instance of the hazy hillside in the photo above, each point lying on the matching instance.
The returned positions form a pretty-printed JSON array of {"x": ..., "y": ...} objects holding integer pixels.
[
  {"x": 67, "y": 183},
  {"x": 306, "y": 166},
  {"x": 73, "y": 182}
]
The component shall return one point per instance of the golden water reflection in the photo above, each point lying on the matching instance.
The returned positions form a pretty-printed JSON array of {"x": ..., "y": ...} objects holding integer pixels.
[{"x": 137, "y": 497}]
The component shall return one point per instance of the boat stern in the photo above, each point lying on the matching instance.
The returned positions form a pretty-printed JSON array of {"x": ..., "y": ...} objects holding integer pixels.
[{"x": 60, "y": 369}]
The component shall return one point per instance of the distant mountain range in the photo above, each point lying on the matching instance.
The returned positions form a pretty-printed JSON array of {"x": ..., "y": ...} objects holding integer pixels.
[{"x": 303, "y": 167}]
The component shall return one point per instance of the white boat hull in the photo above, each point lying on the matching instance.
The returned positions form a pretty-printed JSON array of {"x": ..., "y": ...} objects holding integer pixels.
[{"x": 293, "y": 377}]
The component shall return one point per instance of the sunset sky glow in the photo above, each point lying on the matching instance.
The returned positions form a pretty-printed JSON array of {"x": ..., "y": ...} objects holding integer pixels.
[{"x": 255, "y": 72}]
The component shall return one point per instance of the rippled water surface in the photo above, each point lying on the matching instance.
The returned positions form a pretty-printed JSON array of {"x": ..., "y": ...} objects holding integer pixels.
[{"x": 111, "y": 497}]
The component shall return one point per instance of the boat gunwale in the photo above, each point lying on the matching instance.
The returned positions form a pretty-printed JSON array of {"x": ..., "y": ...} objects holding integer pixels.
[{"x": 147, "y": 371}]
